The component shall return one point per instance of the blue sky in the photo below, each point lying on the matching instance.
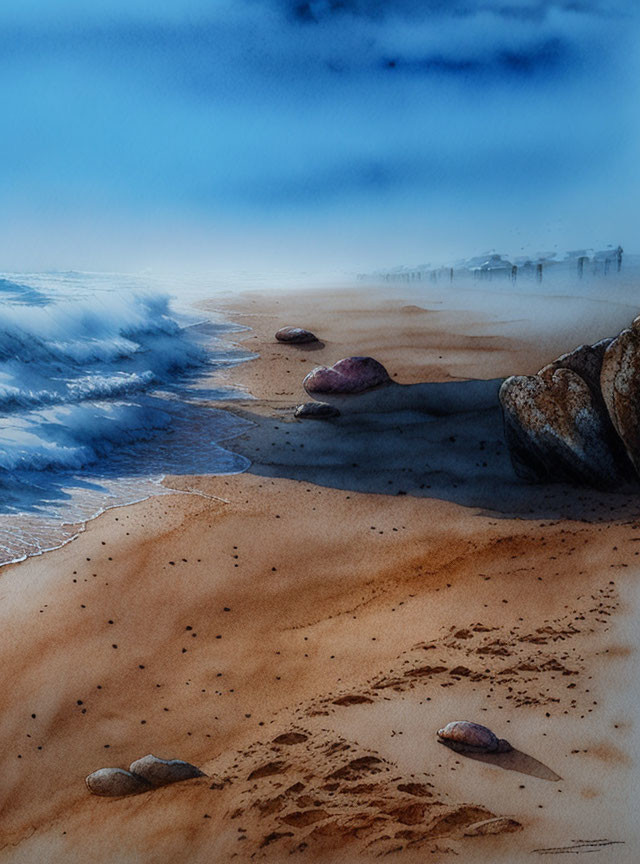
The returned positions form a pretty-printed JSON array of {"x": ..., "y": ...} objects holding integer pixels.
[{"x": 275, "y": 134}]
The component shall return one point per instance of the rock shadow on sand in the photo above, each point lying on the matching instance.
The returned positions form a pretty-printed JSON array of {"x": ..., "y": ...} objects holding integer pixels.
[
  {"x": 430, "y": 440},
  {"x": 516, "y": 760},
  {"x": 318, "y": 345}
]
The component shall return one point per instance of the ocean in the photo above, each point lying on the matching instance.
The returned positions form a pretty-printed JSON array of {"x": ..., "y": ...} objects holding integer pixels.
[{"x": 107, "y": 383}]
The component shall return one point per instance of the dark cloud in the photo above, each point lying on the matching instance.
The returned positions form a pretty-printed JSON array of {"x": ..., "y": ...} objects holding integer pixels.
[
  {"x": 548, "y": 56},
  {"x": 469, "y": 40},
  {"x": 315, "y": 11},
  {"x": 277, "y": 104},
  {"x": 270, "y": 40}
]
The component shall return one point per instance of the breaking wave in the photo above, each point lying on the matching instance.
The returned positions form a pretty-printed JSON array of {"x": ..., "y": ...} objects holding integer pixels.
[{"x": 102, "y": 392}]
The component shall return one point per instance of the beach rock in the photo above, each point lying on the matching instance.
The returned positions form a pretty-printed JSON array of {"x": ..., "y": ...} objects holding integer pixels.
[
  {"x": 463, "y": 736},
  {"x": 316, "y": 411},
  {"x": 113, "y": 782},
  {"x": 295, "y": 335},
  {"x": 160, "y": 772},
  {"x": 620, "y": 384},
  {"x": 351, "y": 375},
  {"x": 499, "y": 825},
  {"x": 556, "y": 432},
  {"x": 585, "y": 360}
]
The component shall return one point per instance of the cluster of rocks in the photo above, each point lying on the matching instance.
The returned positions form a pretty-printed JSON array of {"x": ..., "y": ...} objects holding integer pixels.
[
  {"x": 349, "y": 376},
  {"x": 346, "y": 377},
  {"x": 144, "y": 774},
  {"x": 578, "y": 419}
]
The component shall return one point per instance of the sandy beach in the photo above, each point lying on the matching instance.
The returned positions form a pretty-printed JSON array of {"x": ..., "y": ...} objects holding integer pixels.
[{"x": 301, "y": 631}]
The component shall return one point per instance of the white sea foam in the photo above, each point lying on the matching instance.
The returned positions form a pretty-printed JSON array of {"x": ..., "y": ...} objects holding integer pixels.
[{"x": 104, "y": 388}]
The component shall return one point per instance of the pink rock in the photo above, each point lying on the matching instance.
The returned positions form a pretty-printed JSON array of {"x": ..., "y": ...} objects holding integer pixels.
[{"x": 351, "y": 375}]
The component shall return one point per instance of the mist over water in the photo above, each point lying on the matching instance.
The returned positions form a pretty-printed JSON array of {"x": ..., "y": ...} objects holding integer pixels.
[{"x": 105, "y": 386}]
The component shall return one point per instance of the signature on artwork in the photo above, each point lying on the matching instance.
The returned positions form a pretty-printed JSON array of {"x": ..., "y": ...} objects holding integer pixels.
[{"x": 578, "y": 847}]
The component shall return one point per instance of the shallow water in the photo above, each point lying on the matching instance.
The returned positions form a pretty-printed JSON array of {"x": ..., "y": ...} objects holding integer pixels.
[{"x": 106, "y": 385}]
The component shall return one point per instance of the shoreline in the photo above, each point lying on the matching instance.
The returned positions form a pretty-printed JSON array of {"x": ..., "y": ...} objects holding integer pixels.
[
  {"x": 155, "y": 480},
  {"x": 324, "y": 640}
]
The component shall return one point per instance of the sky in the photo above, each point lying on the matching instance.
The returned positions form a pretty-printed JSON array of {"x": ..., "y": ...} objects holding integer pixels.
[{"x": 283, "y": 135}]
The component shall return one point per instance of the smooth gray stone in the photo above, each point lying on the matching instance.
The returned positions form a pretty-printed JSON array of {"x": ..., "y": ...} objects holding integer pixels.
[
  {"x": 160, "y": 772},
  {"x": 295, "y": 335},
  {"x": 114, "y": 782}
]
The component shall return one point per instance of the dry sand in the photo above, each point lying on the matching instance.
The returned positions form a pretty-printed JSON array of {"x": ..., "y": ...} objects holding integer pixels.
[{"x": 301, "y": 631}]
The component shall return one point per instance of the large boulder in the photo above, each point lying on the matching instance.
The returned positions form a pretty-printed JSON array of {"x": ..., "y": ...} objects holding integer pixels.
[
  {"x": 115, "y": 782},
  {"x": 351, "y": 375},
  {"x": 295, "y": 335},
  {"x": 620, "y": 384},
  {"x": 556, "y": 431},
  {"x": 586, "y": 361},
  {"x": 161, "y": 772}
]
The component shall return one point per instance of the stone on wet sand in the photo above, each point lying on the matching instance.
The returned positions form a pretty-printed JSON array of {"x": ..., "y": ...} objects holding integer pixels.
[
  {"x": 464, "y": 736},
  {"x": 316, "y": 411},
  {"x": 161, "y": 772},
  {"x": 295, "y": 335},
  {"x": 556, "y": 432},
  {"x": 351, "y": 375},
  {"x": 620, "y": 383},
  {"x": 115, "y": 782}
]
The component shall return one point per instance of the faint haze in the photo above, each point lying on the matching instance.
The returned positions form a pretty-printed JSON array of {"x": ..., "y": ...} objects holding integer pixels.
[{"x": 328, "y": 135}]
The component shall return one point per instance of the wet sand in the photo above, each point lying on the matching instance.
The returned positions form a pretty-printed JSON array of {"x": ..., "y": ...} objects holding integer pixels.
[{"x": 301, "y": 631}]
